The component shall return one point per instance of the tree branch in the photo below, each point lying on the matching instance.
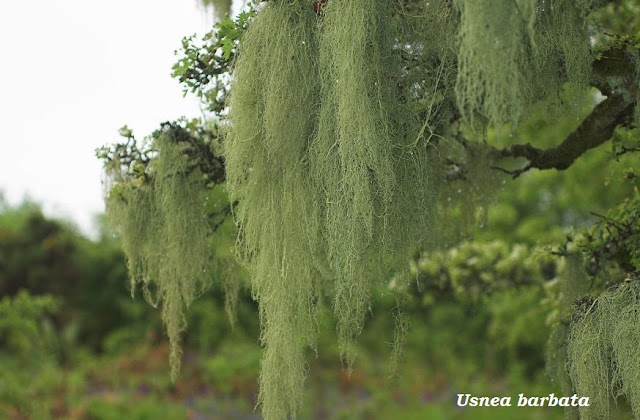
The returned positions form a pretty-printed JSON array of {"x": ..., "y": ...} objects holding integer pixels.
[
  {"x": 614, "y": 74},
  {"x": 596, "y": 129}
]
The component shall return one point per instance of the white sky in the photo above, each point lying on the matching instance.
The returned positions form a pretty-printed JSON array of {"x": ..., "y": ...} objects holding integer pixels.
[{"x": 71, "y": 73}]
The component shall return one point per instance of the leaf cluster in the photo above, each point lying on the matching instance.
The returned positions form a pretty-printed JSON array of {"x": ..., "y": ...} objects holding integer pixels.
[
  {"x": 473, "y": 271},
  {"x": 129, "y": 161},
  {"x": 610, "y": 248},
  {"x": 204, "y": 66}
]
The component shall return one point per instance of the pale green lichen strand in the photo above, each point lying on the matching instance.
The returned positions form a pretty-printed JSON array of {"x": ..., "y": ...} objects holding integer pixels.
[{"x": 163, "y": 229}]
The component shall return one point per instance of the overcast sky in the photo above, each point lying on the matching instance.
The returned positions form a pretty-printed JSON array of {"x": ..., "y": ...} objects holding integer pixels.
[{"x": 71, "y": 73}]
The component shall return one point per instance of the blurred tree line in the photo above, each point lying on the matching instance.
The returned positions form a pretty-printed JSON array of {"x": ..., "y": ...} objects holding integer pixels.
[{"x": 70, "y": 332}]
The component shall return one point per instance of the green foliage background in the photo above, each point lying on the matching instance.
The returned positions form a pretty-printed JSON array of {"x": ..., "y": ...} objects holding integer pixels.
[{"x": 109, "y": 359}]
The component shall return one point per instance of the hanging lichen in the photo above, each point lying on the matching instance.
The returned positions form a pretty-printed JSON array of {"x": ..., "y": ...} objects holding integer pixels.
[
  {"x": 331, "y": 194},
  {"x": 367, "y": 178},
  {"x": 163, "y": 229},
  {"x": 495, "y": 37},
  {"x": 351, "y": 154},
  {"x": 272, "y": 109},
  {"x": 566, "y": 34},
  {"x": 510, "y": 52},
  {"x": 603, "y": 349}
]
